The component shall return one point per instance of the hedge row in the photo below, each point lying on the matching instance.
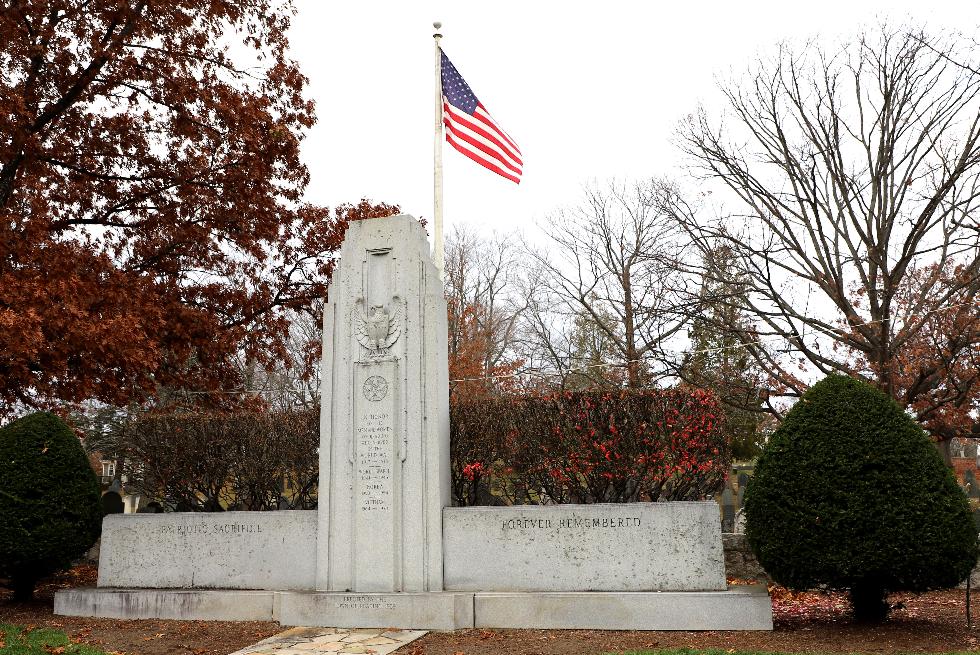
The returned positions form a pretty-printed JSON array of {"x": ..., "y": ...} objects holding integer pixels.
[
  {"x": 588, "y": 447},
  {"x": 211, "y": 462}
]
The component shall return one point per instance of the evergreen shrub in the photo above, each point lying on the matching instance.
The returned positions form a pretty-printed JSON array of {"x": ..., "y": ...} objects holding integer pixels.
[
  {"x": 850, "y": 494},
  {"x": 50, "y": 508}
]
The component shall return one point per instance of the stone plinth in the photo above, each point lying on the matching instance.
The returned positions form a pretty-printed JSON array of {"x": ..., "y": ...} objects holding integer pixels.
[
  {"x": 740, "y": 608},
  {"x": 673, "y": 546},
  {"x": 229, "y": 550},
  {"x": 420, "y": 611},
  {"x": 384, "y": 428},
  {"x": 740, "y": 561},
  {"x": 184, "y": 604}
]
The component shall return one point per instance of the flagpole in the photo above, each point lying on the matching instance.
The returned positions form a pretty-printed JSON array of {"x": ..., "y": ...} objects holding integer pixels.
[{"x": 437, "y": 158}]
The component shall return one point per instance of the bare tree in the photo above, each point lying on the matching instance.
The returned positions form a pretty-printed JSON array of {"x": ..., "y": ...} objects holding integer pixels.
[
  {"x": 611, "y": 267},
  {"x": 853, "y": 168},
  {"x": 293, "y": 381},
  {"x": 546, "y": 338},
  {"x": 717, "y": 360},
  {"x": 485, "y": 305},
  {"x": 565, "y": 351}
]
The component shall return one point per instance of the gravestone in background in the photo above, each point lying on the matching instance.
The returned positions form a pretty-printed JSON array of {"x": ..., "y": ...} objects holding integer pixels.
[
  {"x": 970, "y": 485},
  {"x": 727, "y": 510},
  {"x": 384, "y": 428},
  {"x": 112, "y": 503}
]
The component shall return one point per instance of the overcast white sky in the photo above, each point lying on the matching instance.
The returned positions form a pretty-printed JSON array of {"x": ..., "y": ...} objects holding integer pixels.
[{"x": 587, "y": 89}]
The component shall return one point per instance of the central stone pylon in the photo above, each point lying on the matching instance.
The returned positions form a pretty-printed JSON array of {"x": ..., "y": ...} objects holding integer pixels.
[{"x": 384, "y": 425}]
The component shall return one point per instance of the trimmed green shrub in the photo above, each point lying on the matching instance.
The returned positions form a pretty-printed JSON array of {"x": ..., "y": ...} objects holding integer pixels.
[
  {"x": 50, "y": 510},
  {"x": 850, "y": 494}
]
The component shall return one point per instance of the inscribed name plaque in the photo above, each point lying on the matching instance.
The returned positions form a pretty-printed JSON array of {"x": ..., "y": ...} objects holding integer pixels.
[
  {"x": 434, "y": 611},
  {"x": 231, "y": 550},
  {"x": 376, "y": 435},
  {"x": 377, "y": 463},
  {"x": 601, "y": 547}
]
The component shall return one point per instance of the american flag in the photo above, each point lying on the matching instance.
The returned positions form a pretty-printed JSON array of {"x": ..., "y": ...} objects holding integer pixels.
[{"x": 471, "y": 130}]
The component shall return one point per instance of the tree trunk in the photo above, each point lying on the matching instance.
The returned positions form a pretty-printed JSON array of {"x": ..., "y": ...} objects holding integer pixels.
[
  {"x": 632, "y": 365},
  {"x": 23, "y": 586},
  {"x": 868, "y": 602},
  {"x": 943, "y": 446}
]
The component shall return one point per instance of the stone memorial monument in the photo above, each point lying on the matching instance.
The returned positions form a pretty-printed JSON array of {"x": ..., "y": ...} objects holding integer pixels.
[
  {"x": 384, "y": 429},
  {"x": 383, "y": 548}
]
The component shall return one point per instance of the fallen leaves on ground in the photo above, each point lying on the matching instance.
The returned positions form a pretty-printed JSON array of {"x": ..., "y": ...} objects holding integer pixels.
[
  {"x": 804, "y": 605},
  {"x": 805, "y": 622}
]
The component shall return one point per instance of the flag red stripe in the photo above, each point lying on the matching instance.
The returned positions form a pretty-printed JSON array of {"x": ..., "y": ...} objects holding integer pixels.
[
  {"x": 464, "y": 119},
  {"x": 481, "y": 161},
  {"x": 472, "y": 144},
  {"x": 485, "y": 116},
  {"x": 482, "y": 147},
  {"x": 481, "y": 115},
  {"x": 493, "y": 138}
]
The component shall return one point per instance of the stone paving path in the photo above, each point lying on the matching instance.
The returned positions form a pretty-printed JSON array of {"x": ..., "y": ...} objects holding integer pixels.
[{"x": 308, "y": 641}]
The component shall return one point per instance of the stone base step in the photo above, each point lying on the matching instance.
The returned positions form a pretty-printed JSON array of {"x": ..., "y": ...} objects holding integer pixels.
[
  {"x": 441, "y": 610},
  {"x": 184, "y": 604},
  {"x": 738, "y": 608}
]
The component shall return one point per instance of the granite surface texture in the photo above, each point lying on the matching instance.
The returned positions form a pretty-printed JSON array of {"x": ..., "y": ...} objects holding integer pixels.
[
  {"x": 740, "y": 608},
  {"x": 604, "y": 547},
  {"x": 226, "y": 550},
  {"x": 384, "y": 426}
]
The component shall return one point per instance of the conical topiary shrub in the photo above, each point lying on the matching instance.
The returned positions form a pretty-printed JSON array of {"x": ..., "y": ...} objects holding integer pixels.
[
  {"x": 850, "y": 494},
  {"x": 50, "y": 511}
]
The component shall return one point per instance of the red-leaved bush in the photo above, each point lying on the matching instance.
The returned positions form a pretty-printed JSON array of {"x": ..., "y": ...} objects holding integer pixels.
[{"x": 610, "y": 446}]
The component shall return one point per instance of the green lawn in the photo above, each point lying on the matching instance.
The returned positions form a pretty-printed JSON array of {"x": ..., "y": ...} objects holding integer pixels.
[{"x": 14, "y": 641}]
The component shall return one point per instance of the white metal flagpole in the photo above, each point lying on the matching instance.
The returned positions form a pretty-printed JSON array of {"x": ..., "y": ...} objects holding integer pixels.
[{"x": 437, "y": 158}]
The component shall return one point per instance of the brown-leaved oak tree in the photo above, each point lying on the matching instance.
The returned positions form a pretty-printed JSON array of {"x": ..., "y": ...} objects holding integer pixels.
[{"x": 152, "y": 222}]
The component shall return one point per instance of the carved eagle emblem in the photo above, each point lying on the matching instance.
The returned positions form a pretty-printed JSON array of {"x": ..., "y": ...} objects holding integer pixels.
[{"x": 377, "y": 331}]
